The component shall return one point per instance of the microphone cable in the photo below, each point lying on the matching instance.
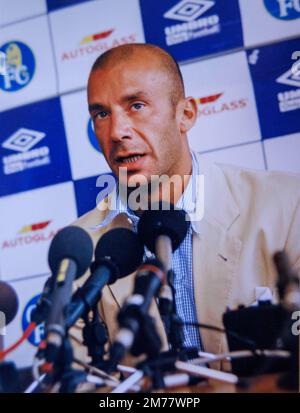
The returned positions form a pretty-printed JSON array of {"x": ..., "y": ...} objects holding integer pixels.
[{"x": 25, "y": 335}]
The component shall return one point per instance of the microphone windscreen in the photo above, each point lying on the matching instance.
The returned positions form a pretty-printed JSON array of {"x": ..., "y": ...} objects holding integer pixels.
[
  {"x": 9, "y": 302},
  {"x": 285, "y": 272},
  {"x": 168, "y": 221},
  {"x": 122, "y": 248},
  {"x": 73, "y": 243},
  {"x": 282, "y": 264}
]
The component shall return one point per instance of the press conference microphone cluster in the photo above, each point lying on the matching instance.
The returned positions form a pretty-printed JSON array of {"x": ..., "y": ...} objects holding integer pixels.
[
  {"x": 162, "y": 230},
  {"x": 117, "y": 254}
]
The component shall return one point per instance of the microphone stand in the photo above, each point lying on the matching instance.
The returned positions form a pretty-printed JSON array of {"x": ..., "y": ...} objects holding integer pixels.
[
  {"x": 157, "y": 368},
  {"x": 172, "y": 322},
  {"x": 95, "y": 338},
  {"x": 62, "y": 372},
  {"x": 167, "y": 305},
  {"x": 68, "y": 377}
]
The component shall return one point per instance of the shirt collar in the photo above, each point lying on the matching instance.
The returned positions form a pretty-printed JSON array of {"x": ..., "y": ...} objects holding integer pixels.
[{"x": 187, "y": 201}]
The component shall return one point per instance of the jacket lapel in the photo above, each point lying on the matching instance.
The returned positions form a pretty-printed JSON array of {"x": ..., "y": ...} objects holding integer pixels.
[{"x": 215, "y": 254}]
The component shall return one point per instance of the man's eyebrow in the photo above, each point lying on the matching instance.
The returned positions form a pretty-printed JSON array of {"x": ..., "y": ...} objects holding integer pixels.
[
  {"x": 134, "y": 96},
  {"x": 95, "y": 106}
]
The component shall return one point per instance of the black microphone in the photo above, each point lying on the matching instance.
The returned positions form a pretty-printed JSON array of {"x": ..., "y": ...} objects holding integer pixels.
[
  {"x": 43, "y": 305},
  {"x": 117, "y": 254},
  {"x": 9, "y": 302},
  {"x": 70, "y": 255},
  {"x": 133, "y": 317},
  {"x": 163, "y": 229},
  {"x": 288, "y": 282}
]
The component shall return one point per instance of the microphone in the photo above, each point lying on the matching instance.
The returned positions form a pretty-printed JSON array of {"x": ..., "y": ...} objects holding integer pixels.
[
  {"x": 69, "y": 256},
  {"x": 136, "y": 327},
  {"x": 9, "y": 303},
  {"x": 162, "y": 230},
  {"x": 117, "y": 254},
  {"x": 40, "y": 312},
  {"x": 288, "y": 283}
]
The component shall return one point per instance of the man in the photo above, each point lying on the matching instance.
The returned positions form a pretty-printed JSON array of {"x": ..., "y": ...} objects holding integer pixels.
[{"x": 141, "y": 118}]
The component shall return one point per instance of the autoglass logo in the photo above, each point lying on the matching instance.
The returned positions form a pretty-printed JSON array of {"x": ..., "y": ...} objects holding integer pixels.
[
  {"x": 38, "y": 333},
  {"x": 20, "y": 66},
  {"x": 283, "y": 9},
  {"x": 92, "y": 137}
]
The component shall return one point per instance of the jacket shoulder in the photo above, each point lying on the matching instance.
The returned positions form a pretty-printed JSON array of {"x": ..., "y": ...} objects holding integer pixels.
[
  {"x": 89, "y": 219},
  {"x": 269, "y": 186}
]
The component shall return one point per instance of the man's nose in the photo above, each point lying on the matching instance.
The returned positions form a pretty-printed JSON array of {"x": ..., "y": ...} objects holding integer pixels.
[{"x": 120, "y": 127}]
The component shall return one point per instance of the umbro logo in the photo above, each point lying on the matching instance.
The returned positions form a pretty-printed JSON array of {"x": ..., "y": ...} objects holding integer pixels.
[
  {"x": 289, "y": 78},
  {"x": 23, "y": 140},
  {"x": 189, "y": 10}
]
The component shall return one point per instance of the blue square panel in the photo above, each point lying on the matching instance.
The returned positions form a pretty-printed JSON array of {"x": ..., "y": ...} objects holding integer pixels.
[
  {"x": 59, "y": 4},
  {"x": 33, "y": 148},
  {"x": 275, "y": 71},
  {"x": 192, "y": 28},
  {"x": 90, "y": 191}
]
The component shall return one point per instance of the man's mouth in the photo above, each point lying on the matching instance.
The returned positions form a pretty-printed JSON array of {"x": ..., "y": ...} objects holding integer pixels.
[{"x": 129, "y": 158}]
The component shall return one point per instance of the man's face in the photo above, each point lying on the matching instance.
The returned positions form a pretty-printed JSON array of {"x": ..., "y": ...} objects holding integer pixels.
[{"x": 135, "y": 122}]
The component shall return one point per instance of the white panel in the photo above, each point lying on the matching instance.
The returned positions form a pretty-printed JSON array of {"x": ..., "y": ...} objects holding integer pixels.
[
  {"x": 85, "y": 159},
  {"x": 227, "y": 111},
  {"x": 283, "y": 154},
  {"x": 92, "y": 28},
  {"x": 28, "y": 223},
  {"x": 246, "y": 156},
  {"x": 261, "y": 26},
  {"x": 38, "y": 82},
  {"x": 14, "y": 10}
]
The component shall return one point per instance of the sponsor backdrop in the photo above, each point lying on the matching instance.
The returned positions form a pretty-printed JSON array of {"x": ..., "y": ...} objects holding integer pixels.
[{"x": 239, "y": 58}]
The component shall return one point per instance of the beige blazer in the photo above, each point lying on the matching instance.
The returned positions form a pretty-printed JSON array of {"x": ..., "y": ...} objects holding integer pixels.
[{"x": 248, "y": 216}]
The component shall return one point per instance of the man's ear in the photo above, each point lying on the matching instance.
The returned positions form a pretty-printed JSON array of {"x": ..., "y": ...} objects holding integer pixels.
[{"x": 188, "y": 114}]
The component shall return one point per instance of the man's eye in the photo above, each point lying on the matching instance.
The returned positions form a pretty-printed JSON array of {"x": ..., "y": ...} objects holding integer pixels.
[
  {"x": 101, "y": 115},
  {"x": 138, "y": 106}
]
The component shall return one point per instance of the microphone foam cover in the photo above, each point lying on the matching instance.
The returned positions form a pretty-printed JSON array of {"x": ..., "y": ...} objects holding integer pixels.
[
  {"x": 167, "y": 220},
  {"x": 122, "y": 248},
  {"x": 281, "y": 261},
  {"x": 9, "y": 302},
  {"x": 74, "y": 243}
]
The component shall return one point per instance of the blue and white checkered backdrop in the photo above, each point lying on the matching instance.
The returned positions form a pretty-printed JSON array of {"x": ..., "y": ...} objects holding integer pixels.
[{"x": 240, "y": 59}]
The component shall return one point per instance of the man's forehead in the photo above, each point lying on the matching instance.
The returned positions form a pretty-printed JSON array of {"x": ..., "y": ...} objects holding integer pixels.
[
  {"x": 133, "y": 79},
  {"x": 131, "y": 67}
]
